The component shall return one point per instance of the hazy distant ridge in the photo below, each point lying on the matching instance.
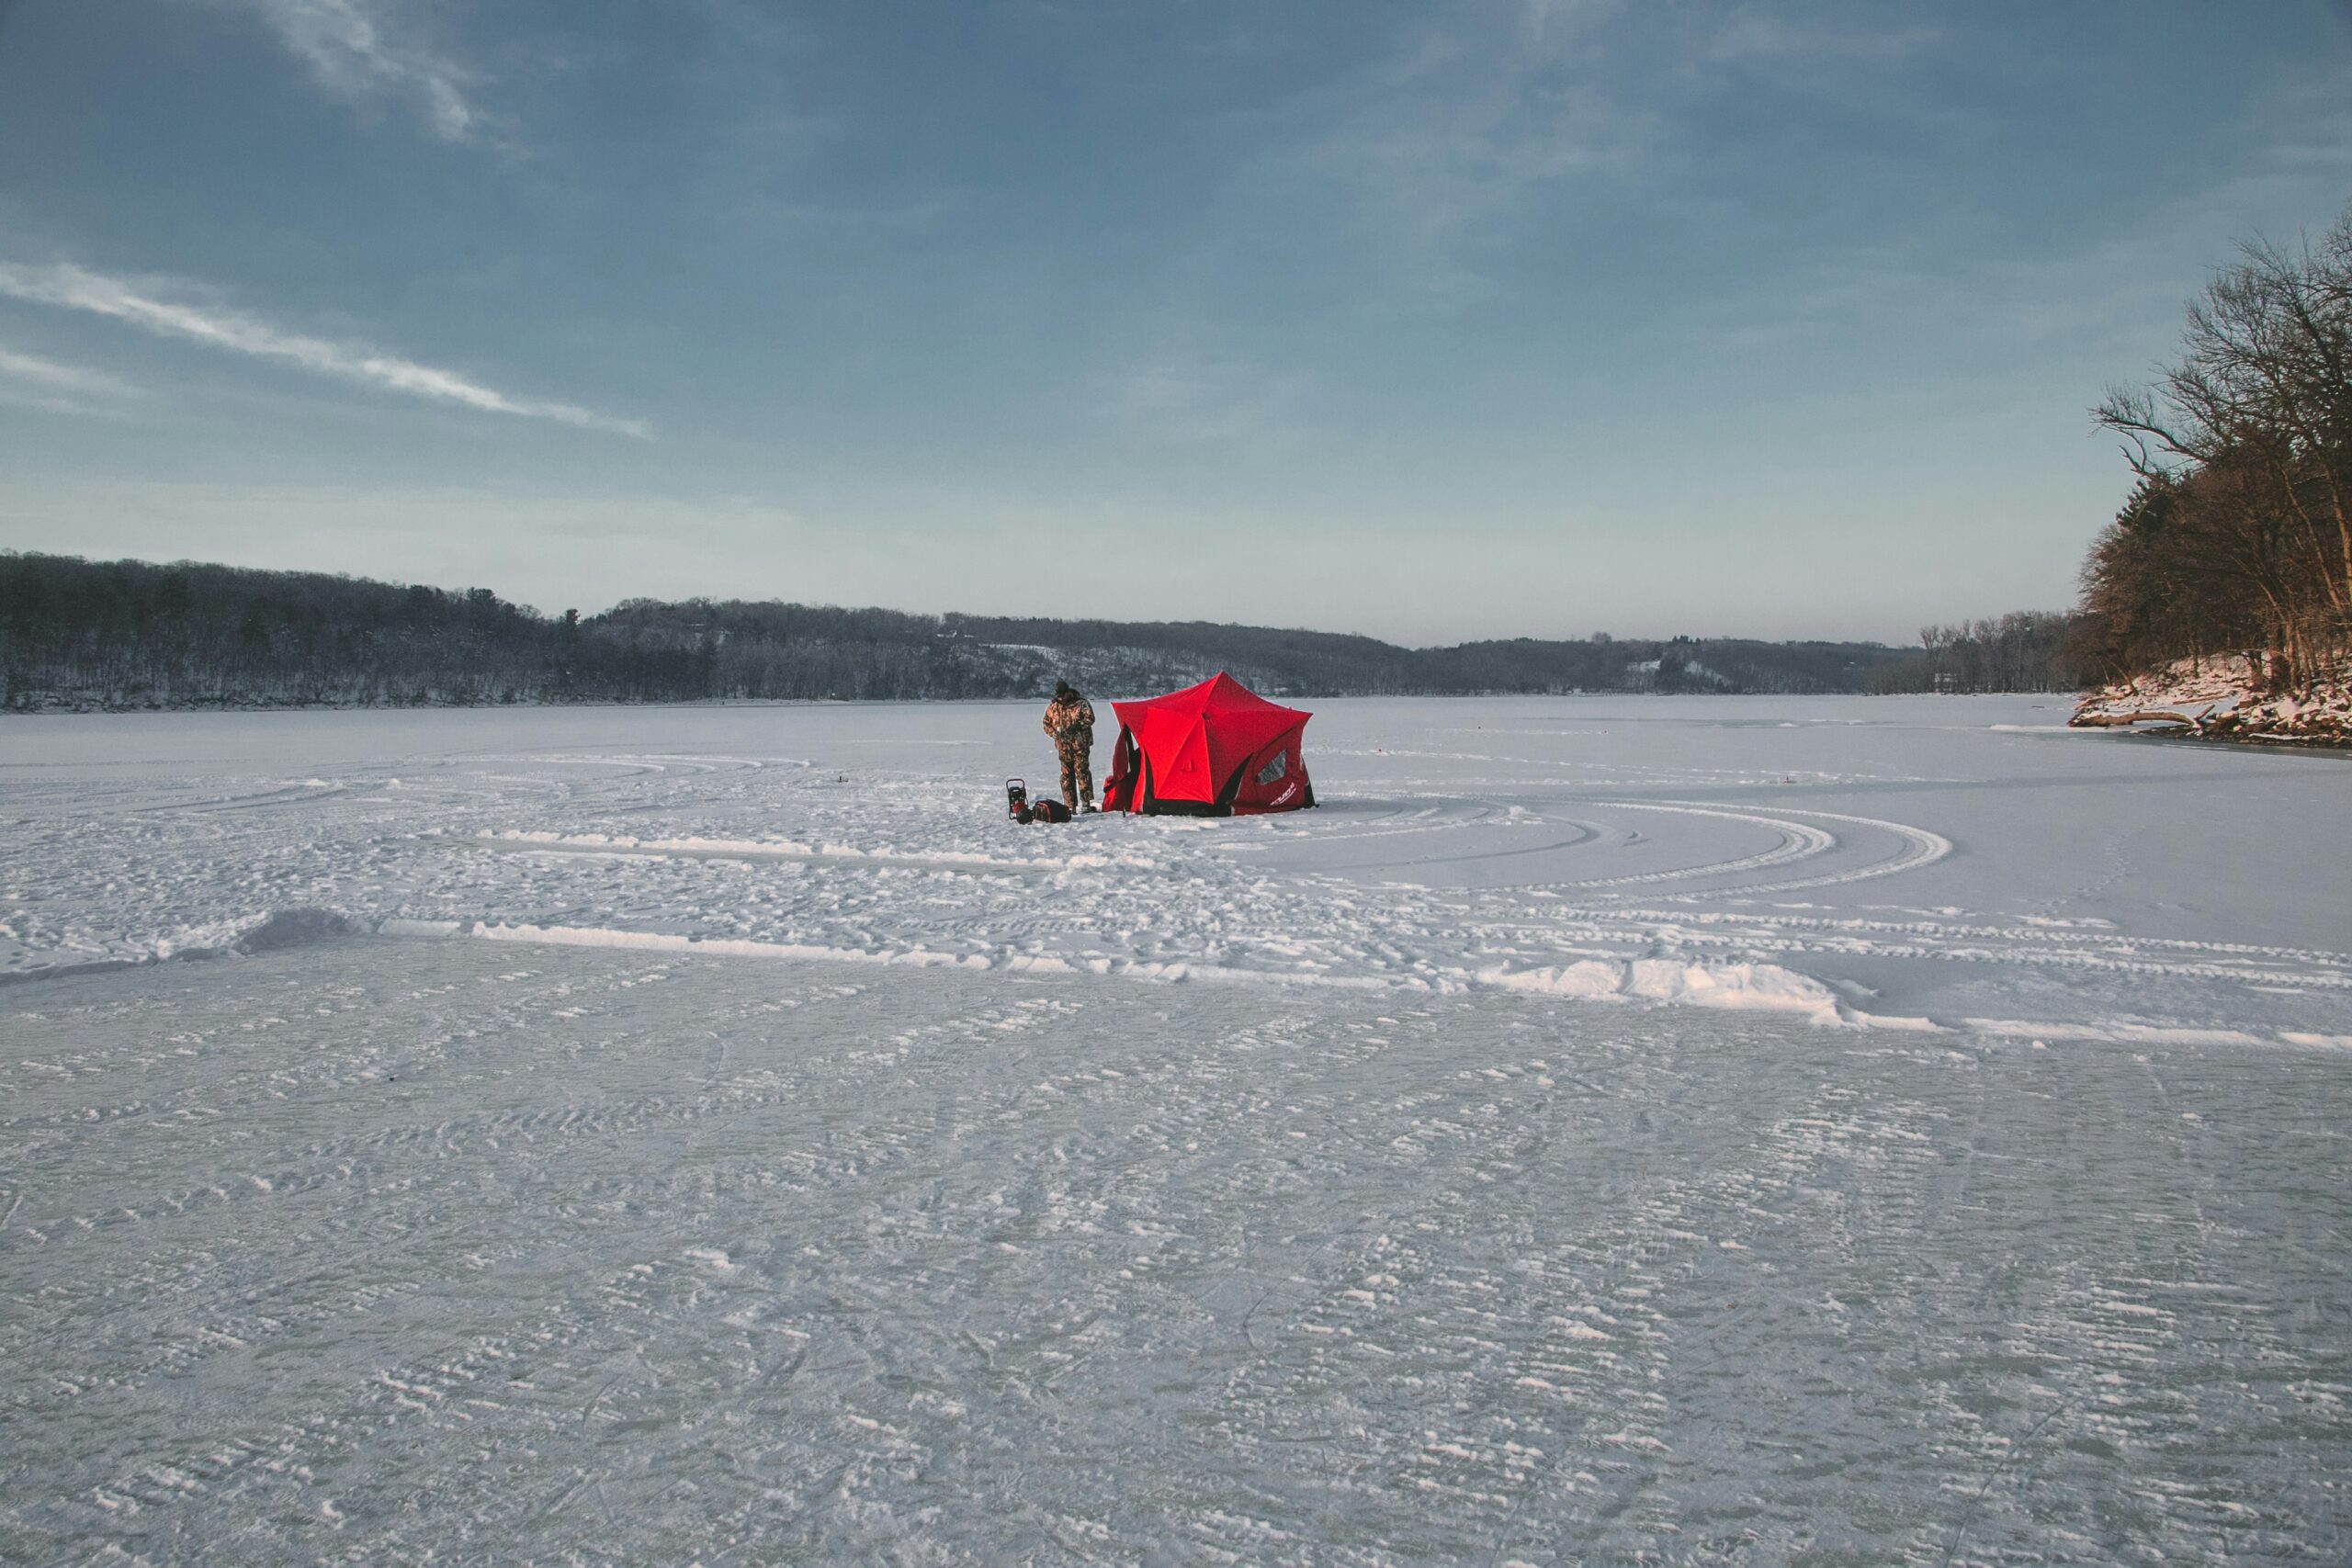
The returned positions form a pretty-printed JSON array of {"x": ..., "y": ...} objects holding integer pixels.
[{"x": 132, "y": 634}]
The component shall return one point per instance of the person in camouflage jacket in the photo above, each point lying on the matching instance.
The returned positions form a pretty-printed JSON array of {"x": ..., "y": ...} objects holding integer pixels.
[{"x": 1069, "y": 719}]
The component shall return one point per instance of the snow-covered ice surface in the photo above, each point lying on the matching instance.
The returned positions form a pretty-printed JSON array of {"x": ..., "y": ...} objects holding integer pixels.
[{"x": 1681, "y": 1130}]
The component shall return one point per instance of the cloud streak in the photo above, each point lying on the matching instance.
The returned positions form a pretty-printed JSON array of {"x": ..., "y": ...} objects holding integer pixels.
[
  {"x": 1461, "y": 126},
  {"x": 66, "y": 287},
  {"x": 1753, "y": 35},
  {"x": 1462, "y": 134},
  {"x": 1211, "y": 402},
  {"x": 344, "y": 43},
  {"x": 27, "y": 381},
  {"x": 59, "y": 378}
]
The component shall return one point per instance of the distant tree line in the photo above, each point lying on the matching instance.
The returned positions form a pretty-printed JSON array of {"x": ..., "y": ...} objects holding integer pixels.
[
  {"x": 2027, "y": 650},
  {"x": 131, "y": 634},
  {"x": 2238, "y": 536}
]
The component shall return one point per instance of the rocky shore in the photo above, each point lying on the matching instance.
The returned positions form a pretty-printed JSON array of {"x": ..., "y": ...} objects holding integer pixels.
[{"x": 2227, "y": 697}]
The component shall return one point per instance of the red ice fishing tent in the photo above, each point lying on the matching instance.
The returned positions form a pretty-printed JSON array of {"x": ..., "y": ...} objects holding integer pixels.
[{"x": 1215, "y": 749}]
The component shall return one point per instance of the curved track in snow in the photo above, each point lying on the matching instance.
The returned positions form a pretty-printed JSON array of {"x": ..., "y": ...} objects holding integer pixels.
[
  {"x": 1450, "y": 869},
  {"x": 650, "y": 1149}
]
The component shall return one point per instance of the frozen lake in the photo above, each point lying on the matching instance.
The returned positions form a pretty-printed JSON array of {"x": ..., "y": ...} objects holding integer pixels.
[{"x": 1692, "y": 1130}]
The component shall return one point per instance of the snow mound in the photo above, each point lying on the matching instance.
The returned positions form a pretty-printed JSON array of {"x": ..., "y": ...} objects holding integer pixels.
[
  {"x": 294, "y": 927},
  {"x": 1747, "y": 987}
]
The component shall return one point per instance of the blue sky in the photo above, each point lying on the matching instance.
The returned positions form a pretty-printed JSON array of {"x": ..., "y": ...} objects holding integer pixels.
[{"x": 1430, "y": 322}]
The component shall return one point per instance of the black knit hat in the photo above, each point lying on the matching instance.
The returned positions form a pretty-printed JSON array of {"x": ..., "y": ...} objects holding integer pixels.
[{"x": 1064, "y": 689}]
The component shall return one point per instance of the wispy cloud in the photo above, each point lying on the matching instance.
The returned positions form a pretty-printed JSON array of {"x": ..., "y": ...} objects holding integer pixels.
[
  {"x": 63, "y": 378},
  {"x": 1748, "y": 34},
  {"x": 1470, "y": 120},
  {"x": 1221, "y": 401},
  {"x": 352, "y": 54},
  {"x": 1482, "y": 119},
  {"x": 29, "y": 381},
  {"x": 71, "y": 287}
]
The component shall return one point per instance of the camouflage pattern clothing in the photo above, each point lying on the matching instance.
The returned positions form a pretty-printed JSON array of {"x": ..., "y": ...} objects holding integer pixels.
[{"x": 1070, "y": 721}]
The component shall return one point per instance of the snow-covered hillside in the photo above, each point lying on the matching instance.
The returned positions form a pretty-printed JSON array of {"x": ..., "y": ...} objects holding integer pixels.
[{"x": 1707, "y": 1130}]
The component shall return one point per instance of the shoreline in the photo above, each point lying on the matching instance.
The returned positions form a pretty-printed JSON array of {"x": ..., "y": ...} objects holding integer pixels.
[
  {"x": 89, "y": 709},
  {"x": 2225, "y": 698},
  {"x": 2171, "y": 736}
]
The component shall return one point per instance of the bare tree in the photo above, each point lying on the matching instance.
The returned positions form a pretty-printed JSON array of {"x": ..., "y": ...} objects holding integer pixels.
[{"x": 2252, "y": 431}]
